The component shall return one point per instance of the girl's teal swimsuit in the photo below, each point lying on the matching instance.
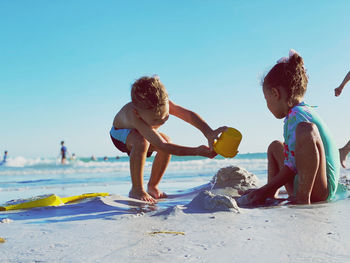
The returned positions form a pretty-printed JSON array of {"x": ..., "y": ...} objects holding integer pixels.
[{"x": 304, "y": 113}]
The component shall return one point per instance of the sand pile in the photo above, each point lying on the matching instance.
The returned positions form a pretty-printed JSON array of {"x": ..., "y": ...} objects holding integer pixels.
[
  {"x": 235, "y": 177},
  {"x": 209, "y": 201},
  {"x": 227, "y": 183}
]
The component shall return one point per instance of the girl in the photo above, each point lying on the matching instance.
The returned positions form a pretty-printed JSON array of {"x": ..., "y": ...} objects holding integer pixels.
[{"x": 307, "y": 163}]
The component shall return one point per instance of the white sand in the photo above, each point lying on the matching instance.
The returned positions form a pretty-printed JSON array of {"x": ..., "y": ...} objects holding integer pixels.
[
  {"x": 114, "y": 229},
  {"x": 103, "y": 230}
]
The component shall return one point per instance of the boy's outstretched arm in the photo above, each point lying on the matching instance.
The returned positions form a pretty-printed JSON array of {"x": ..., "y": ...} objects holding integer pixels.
[
  {"x": 339, "y": 90},
  {"x": 157, "y": 141},
  {"x": 195, "y": 120}
]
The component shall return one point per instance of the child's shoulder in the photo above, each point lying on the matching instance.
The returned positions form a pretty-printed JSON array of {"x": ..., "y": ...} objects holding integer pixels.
[
  {"x": 126, "y": 109},
  {"x": 125, "y": 116},
  {"x": 301, "y": 111},
  {"x": 304, "y": 108},
  {"x": 128, "y": 105}
]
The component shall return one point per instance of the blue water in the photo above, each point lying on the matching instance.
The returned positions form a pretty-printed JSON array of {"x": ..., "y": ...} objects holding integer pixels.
[{"x": 27, "y": 177}]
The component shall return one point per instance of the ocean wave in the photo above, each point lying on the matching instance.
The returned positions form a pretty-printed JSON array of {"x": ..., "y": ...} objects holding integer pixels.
[
  {"x": 27, "y": 166},
  {"x": 29, "y": 162}
]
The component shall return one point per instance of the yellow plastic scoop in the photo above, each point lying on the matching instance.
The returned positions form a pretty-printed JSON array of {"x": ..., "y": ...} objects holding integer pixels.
[
  {"x": 228, "y": 142},
  {"x": 50, "y": 200}
]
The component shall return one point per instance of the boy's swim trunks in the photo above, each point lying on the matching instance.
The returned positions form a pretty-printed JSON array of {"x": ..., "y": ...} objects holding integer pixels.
[
  {"x": 119, "y": 137},
  {"x": 304, "y": 113}
]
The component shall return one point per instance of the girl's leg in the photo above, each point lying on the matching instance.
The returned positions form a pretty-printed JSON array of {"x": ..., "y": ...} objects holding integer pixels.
[
  {"x": 344, "y": 153},
  {"x": 138, "y": 147},
  {"x": 310, "y": 162},
  {"x": 275, "y": 157},
  {"x": 160, "y": 163}
]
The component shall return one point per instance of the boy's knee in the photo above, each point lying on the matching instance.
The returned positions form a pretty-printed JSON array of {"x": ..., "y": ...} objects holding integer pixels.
[
  {"x": 142, "y": 144},
  {"x": 138, "y": 142}
]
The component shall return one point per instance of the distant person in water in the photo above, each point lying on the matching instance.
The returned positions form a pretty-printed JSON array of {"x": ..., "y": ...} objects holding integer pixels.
[
  {"x": 105, "y": 158},
  {"x": 93, "y": 158},
  {"x": 346, "y": 149},
  {"x": 4, "y": 159},
  {"x": 63, "y": 153},
  {"x": 73, "y": 157}
]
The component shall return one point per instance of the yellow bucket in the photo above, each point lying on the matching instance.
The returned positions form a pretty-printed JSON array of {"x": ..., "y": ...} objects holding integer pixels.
[{"x": 228, "y": 142}]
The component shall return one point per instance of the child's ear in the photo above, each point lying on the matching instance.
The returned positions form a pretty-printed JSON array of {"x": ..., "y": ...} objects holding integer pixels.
[{"x": 276, "y": 93}]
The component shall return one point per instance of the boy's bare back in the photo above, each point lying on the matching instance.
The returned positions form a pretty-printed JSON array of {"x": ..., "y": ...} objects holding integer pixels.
[{"x": 124, "y": 119}]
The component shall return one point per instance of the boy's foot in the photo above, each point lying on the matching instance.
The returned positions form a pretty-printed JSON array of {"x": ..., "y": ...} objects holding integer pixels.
[
  {"x": 156, "y": 193},
  {"x": 343, "y": 154},
  {"x": 142, "y": 195}
]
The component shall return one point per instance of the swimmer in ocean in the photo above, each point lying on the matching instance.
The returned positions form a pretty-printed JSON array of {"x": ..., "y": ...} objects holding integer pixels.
[
  {"x": 4, "y": 159},
  {"x": 63, "y": 153}
]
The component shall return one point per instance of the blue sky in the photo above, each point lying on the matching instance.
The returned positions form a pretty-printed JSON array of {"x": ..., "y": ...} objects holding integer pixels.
[{"x": 66, "y": 67}]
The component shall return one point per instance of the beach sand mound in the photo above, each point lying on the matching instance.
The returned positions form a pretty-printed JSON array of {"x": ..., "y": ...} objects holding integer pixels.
[
  {"x": 208, "y": 201},
  {"x": 227, "y": 183},
  {"x": 235, "y": 177}
]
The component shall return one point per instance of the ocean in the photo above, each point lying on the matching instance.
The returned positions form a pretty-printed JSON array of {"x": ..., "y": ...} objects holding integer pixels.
[{"x": 29, "y": 177}]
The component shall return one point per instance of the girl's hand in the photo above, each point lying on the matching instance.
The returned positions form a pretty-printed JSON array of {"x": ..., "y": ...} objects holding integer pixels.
[
  {"x": 205, "y": 151},
  {"x": 254, "y": 197},
  {"x": 213, "y": 135},
  {"x": 338, "y": 91}
]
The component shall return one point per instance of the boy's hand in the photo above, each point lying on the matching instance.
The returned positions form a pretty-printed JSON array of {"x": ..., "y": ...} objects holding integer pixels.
[
  {"x": 205, "y": 151},
  {"x": 213, "y": 135}
]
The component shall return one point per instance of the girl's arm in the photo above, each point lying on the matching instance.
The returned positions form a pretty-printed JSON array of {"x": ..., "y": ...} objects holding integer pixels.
[
  {"x": 195, "y": 120},
  {"x": 268, "y": 190},
  {"x": 339, "y": 90}
]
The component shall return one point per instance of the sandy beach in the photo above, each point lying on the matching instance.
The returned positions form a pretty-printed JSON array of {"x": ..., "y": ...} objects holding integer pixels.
[
  {"x": 119, "y": 229},
  {"x": 80, "y": 233}
]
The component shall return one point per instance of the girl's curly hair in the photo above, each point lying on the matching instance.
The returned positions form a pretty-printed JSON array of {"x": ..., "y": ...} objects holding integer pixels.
[{"x": 290, "y": 75}]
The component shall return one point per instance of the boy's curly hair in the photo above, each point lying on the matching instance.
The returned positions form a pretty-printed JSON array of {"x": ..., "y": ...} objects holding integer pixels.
[
  {"x": 290, "y": 75},
  {"x": 148, "y": 93}
]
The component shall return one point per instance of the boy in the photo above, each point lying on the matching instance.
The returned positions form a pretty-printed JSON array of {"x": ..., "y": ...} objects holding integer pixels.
[{"x": 135, "y": 132}]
